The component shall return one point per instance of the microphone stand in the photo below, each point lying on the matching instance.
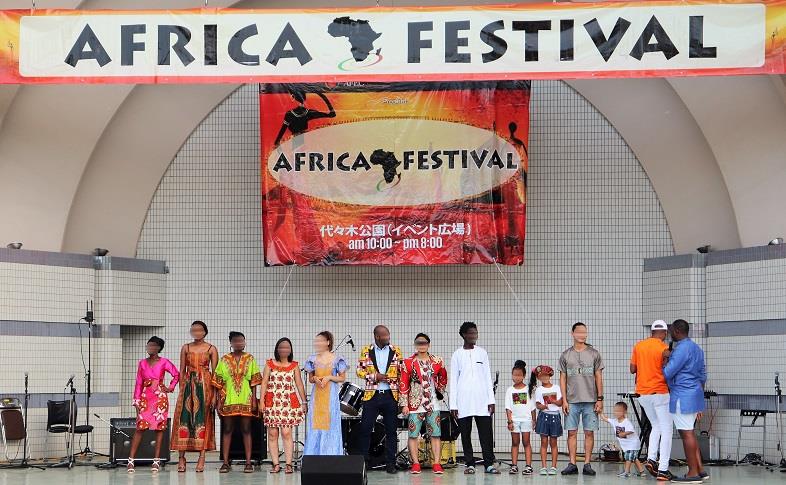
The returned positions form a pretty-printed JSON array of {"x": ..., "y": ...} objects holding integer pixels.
[
  {"x": 88, "y": 319},
  {"x": 69, "y": 461},
  {"x": 112, "y": 463},
  {"x": 778, "y": 399},
  {"x": 24, "y": 464}
]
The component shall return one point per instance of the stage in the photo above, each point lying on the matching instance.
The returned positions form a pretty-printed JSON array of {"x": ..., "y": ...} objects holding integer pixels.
[{"x": 741, "y": 475}]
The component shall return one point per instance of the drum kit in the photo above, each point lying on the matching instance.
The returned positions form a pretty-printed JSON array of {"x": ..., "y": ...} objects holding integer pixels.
[{"x": 351, "y": 401}]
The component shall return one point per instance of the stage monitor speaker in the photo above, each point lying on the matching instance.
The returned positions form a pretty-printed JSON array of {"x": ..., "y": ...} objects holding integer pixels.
[
  {"x": 324, "y": 470},
  {"x": 258, "y": 443},
  {"x": 120, "y": 446}
]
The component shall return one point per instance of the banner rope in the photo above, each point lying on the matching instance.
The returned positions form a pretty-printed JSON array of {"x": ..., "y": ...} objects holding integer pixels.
[{"x": 280, "y": 294}]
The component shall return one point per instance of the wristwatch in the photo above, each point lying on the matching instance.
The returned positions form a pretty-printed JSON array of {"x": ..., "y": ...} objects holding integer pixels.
[{"x": 600, "y": 398}]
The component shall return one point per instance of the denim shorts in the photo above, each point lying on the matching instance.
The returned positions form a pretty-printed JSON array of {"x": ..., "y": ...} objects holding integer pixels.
[
  {"x": 522, "y": 426},
  {"x": 584, "y": 412},
  {"x": 631, "y": 455},
  {"x": 549, "y": 425}
]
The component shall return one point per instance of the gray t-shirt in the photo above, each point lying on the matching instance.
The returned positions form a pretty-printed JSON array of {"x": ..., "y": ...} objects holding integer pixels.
[{"x": 580, "y": 367}]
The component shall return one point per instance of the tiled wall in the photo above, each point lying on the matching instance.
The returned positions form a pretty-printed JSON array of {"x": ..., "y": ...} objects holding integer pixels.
[
  {"x": 743, "y": 295},
  {"x": 754, "y": 290},
  {"x": 131, "y": 298},
  {"x": 44, "y": 293},
  {"x": 592, "y": 217},
  {"x": 43, "y": 298}
]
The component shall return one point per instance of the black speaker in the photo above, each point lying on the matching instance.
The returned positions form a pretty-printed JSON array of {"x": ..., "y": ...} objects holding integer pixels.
[
  {"x": 120, "y": 445},
  {"x": 322, "y": 470},
  {"x": 258, "y": 443}
]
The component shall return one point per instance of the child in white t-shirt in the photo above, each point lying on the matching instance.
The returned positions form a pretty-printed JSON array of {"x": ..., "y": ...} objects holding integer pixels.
[
  {"x": 628, "y": 438},
  {"x": 520, "y": 410},
  {"x": 548, "y": 401}
]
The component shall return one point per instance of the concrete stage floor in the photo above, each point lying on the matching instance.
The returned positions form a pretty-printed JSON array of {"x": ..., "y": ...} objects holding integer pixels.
[{"x": 741, "y": 475}]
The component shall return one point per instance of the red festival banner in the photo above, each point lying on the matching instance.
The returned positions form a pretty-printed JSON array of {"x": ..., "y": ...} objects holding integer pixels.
[
  {"x": 481, "y": 42},
  {"x": 394, "y": 173}
]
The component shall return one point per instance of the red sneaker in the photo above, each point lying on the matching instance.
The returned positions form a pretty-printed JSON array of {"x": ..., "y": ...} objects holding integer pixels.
[
  {"x": 437, "y": 469},
  {"x": 415, "y": 469}
]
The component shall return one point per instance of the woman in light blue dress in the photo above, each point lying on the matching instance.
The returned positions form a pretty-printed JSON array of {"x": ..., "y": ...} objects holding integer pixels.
[{"x": 323, "y": 424}]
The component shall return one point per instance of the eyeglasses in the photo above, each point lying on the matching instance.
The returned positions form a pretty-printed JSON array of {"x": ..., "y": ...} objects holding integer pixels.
[{"x": 421, "y": 342}]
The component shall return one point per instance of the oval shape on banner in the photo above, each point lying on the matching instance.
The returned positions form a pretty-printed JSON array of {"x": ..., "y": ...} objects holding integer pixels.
[{"x": 394, "y": 162}]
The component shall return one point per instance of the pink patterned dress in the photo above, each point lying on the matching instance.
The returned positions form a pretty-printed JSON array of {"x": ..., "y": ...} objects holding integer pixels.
[{"x": 150, "y": 394}]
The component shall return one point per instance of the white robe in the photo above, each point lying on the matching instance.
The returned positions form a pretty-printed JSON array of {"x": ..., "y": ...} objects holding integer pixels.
[{"x": 471, "y": 387}]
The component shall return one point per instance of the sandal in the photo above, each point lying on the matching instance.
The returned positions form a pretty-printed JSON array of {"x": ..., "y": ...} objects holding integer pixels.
[
  {"x": 181, "y": 464},
  {"x": 200, "y": 467},
  {"x": 470, "y": 470},
  {"x": 276, "y": 468},
  {"x": 130, "y": 466},
  {"x": 156, "y": 466},
  {"x": 225, "y": 468},
  {"x": 289, "y": 469},
  {"x": 249, "y": 468}
]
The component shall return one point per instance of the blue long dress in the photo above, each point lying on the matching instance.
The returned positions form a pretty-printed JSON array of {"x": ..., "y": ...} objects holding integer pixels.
[{"x": 323, "y": 431}]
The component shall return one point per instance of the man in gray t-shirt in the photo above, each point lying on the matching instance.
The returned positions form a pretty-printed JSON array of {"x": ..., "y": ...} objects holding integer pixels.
[{"x": 581, "y": 382}]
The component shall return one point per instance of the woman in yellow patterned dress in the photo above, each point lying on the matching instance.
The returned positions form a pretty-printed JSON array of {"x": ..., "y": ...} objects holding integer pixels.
[
  {"x": 326, "y": 371},
  {"x": 284, "y": 402},
  {"x": 237, "y": 379}
]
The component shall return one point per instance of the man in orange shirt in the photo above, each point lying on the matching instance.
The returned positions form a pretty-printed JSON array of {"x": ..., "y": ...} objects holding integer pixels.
[{"x": 646, "y": 363}]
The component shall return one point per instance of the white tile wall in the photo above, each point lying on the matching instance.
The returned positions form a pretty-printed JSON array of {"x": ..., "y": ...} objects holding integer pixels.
[
  {"x": 130, "y": 298},
  {"x": 592, "y": 217},
  {"x": 32, "y": 292},
  {"x": 746, "y": 291}
]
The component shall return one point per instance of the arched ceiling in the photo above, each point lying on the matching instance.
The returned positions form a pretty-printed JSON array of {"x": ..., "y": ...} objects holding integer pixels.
[{"x": 79, "y": 164}]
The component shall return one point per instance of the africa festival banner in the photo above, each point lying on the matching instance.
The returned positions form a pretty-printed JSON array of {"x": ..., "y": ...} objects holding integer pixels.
[
  {"x": 555, "y": 40},
  {"x": 403, "y": 173}
]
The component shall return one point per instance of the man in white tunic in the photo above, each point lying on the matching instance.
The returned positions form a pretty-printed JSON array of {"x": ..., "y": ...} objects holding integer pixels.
[{"x": 472, "y": 396}]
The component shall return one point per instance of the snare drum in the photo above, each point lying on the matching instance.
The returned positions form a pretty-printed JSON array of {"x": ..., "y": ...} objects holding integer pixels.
[{"x": 351, "y": 398}]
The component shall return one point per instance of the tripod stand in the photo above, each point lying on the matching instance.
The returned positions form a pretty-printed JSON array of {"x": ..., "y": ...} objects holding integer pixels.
[
  {"x": 778, "y": 420},
  {"x": 87, "y": 452},
  {"x": 24, "y": 464}
]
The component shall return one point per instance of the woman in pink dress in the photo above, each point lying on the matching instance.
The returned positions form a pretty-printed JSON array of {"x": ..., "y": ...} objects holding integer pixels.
[{"x": 151, "y": 400}]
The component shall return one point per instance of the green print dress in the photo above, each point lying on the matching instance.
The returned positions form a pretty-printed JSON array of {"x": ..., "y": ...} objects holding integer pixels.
[{"x": 235, "y": 380}]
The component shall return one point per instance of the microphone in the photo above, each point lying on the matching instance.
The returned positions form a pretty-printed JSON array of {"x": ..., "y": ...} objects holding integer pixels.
[
  {"x": 351, "y": 342},
  {"x": 89, "y": 312},
  {"x": 70, "y": 380}
]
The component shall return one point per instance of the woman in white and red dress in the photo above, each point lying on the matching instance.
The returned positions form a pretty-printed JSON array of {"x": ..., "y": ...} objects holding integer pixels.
[{"x": 284, "y": 403}]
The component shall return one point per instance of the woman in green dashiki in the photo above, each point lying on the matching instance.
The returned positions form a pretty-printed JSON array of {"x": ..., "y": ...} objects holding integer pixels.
[{"x": 237, "y": 379}]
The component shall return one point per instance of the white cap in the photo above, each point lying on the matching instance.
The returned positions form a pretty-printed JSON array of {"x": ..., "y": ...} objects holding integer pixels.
[{"x": 659, "y": 325}]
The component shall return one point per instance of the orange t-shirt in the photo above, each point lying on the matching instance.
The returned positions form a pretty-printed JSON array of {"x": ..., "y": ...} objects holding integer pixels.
[{"x": 648, "y": 358}]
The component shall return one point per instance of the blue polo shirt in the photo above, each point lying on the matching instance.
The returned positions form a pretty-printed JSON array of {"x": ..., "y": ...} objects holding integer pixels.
[
  {"x": 382, "y": 355},
  {"x": 686, "y": 375}
]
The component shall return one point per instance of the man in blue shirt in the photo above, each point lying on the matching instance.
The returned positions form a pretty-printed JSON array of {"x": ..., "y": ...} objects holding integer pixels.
[
  {"x": 379, "y": 367},
  {"x": 686, "y": 375}
]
